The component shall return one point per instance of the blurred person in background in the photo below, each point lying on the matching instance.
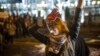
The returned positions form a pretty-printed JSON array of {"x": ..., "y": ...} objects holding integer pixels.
[
  {"x": 10, "y": 30},
  {"x": 27, "y": 24},
  {"x": 40, "y": 22},
  {"x": 17, "y": 24}
]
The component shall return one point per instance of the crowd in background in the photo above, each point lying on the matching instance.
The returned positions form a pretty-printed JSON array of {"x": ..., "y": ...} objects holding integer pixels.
[{"x": 16, "y": 26}]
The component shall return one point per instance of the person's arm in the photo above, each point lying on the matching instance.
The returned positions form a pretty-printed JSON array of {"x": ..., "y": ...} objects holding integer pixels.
[
  {"x": 74, "y": 30},
  {"x": 40, "y": 37}
]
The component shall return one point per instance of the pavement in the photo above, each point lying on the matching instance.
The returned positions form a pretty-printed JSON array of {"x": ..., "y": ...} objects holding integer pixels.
[{"x": 27, "y": 46}]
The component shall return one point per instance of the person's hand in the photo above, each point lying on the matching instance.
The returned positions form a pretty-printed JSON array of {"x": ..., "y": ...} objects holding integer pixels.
[{"x": 80, "y": 4}]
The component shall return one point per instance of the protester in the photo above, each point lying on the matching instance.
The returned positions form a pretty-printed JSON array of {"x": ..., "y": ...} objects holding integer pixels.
[{"x": 65, "y": 42}]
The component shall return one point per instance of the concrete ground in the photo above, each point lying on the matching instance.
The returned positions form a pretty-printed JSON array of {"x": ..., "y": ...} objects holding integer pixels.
[{"x": 27, "y": 46}]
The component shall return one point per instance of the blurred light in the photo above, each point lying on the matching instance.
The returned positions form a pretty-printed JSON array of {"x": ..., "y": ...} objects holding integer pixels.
[
  {"x": 98, "y": 2},
  {"x": 42, "y": 13},
  {"x": 82, "y": 17},
  {"x": 43, "y": 2},
  {"x": 23, "y": 1},
  {"x": 50, "y": 0},
  {"x": 72, "y": 5},
  {"x": 17, "y": 5},
  {"x": 51, "y": 31},
  {"x": 3, "y": 6},
  {"x": 93, "y": 2},
  {"x": 66, "y": 4},
  {"x": 8, "y": 5},
  {"x": 15, "y": 12},
  {"x": 29, "y": 13},
  {"x": 24, "y": 5},
  {"x": 49, "y": 11},
  {"x": 63, "y": 16},
  {"x": 86, "y": 14},
  {"x": 39, "y": 5},
  {"x": 75, "y": 3},
  {"x": 93, "y": 40},
  {"x": 34, "y": 12},
  {"x": 59, "y": 5},
  {"x": 52, "y": 6},
  {"x": 28, "y": 6}
]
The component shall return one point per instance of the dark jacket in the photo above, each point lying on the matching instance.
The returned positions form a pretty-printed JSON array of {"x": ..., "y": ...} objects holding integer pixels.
[{"x": 81, "y": 48}]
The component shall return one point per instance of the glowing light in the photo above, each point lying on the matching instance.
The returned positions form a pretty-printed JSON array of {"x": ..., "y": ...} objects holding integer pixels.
[
  {"x": 49, "y": 0},
  {"x": 86, "y": 14},
  {"x": 98, "y": 2},
  {"x": 34, "y": 12},
  {"x": 92, "y": 40},
  {"x": 42, "y": 13},
  {"x": 17, "y": 5},
  {"x": 42, "y": 4},
  {"x": 28, "y": 6},
  {"x": 72, "y": 5},
  {"x": 59, "y": 5},
  {"x": 24, "y": 6},
  {"x": 39, "y": 5},
  {"x": 8, "y": 5},
  {"x": 49, "y": 11},
  {"x": 51, "y": 31},
  {"x": 75, "y": 3},
  {"x": 93, "y": 2},
  {"x": 82, "y": 17},
  {"x": 3, "y": 6}
]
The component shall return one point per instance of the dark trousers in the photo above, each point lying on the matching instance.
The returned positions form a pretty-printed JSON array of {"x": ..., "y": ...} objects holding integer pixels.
[{"x": 8, "y": 38}]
